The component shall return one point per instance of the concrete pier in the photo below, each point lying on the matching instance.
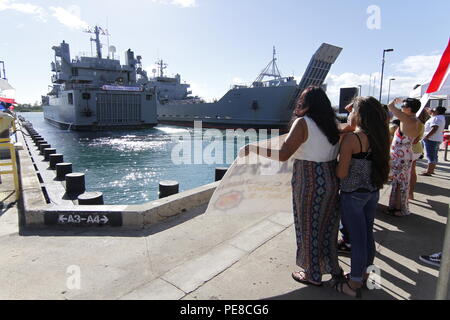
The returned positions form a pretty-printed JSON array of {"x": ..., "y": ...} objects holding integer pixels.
[{"x": 177, "y": 252}]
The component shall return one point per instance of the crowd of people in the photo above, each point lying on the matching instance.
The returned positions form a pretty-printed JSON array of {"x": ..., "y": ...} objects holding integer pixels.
[{"x": 338, "y": 173}]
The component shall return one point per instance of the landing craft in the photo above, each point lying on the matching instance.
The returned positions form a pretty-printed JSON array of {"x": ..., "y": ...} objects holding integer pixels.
[{"x": 264, "y": 104}]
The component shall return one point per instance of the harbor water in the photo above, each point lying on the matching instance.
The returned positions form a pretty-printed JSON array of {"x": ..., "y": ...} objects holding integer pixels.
[{"x": 126, "y": 166}]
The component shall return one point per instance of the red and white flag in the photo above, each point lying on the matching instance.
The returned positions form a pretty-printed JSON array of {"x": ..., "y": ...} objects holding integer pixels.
[
  {"x": 441, "y": 73},
  {"x": 438, "y": 79}
]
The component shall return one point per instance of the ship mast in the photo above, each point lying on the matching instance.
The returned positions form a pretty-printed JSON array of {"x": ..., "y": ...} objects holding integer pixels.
[
  {"x": 97, "y": 31},
  {"x": 271, "y": 70},
  {"x": 161, "y": 66}
]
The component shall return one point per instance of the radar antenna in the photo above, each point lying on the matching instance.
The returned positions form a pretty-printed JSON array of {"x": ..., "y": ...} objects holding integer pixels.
[
  {"x": 97, "y": 31},
  {"x": 271, "y": 70}
]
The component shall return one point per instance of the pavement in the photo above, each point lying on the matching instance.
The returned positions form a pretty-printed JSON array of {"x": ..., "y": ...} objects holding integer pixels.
[{"x": 195, "y": 256}]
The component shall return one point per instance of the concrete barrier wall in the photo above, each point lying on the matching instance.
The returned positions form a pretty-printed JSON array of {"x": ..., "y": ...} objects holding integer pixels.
[{"x": 38, "y": 213}]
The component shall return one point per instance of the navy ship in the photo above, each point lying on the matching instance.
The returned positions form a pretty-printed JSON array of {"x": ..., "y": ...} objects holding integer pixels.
[
  {"x": 96, "y": 93},
  {"x": 263, "y": 104}
]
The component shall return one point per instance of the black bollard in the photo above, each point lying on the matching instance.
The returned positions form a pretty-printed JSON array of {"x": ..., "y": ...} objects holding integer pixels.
[
  {"x": 62, "y": 169},
  {"x": 48, "y": 152},
  {"x": 168, "y": 188},
  {"x": 90, "y": 198},
  {"x": 43, "y": 146},
  {"x": 220, "y": 172},
  {"x": 39, "y": 142},
  {"x": 55, "y": 159},
  {"x": 75, "y": 183}
]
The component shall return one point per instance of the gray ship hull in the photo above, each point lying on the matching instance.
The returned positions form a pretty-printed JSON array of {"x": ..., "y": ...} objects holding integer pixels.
[
  {"x": 100, "y": 110},
  {"x": 239, "y": 108}
]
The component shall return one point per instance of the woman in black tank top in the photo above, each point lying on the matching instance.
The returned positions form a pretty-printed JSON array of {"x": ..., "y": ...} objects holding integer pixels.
[{"x": 362, "y": 172}]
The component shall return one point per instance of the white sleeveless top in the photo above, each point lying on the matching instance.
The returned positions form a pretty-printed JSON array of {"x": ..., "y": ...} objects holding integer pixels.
[{"x": 316, "y": 148}]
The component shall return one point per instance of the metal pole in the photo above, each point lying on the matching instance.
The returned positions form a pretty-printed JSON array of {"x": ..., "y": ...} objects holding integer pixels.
[
  {"x": 444, "y": 272},
  {"x": 382, "y": 72},
  {"x": 374, "y": 81},
  {"x": 4, "y": 72},
  {"x": 389, "y": 91}
]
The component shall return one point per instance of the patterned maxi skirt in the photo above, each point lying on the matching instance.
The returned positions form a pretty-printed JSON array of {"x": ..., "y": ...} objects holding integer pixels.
[
  {"x": 401, "y": 163},
  {"x": 316, "y": 216}
]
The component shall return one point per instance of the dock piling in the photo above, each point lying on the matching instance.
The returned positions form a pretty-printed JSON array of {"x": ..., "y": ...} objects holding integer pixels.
[
  {"x": 75, "y": 183},
  {"x": 90, "y": 198},
  {"x": 48, "y": 152},
  {"x": 220, "y": 172},
  {"x": 62, "y": 169},
  {"x": 55, "y": 159},
  {"x": 168, "y": 188}
]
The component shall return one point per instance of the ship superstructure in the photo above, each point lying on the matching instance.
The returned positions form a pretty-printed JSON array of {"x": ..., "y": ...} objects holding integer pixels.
[{"x": 96, "y": 93}]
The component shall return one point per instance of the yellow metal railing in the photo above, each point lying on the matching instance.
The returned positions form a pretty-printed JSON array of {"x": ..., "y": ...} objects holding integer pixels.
[{"x": 6, "y": 142}]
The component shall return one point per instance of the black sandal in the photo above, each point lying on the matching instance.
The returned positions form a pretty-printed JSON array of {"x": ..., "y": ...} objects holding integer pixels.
[
  {"x": 339, "y": 287},
  {"x": 335, "y": 278},
  {"x": 364, "y": 286},
  {"x": 392, "y": 212}
]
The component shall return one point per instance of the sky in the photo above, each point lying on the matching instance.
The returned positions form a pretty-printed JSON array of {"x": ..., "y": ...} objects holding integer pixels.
[{"x": 214, "y": 44}]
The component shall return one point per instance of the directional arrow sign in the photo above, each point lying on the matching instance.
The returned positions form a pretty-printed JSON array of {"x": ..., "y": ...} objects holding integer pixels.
[
  {"x": 104, "y": 220},
  {"x": 113, "y": 219}
]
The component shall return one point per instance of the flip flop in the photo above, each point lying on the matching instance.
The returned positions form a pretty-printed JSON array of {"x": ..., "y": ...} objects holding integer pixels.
[
  {"x": 303, "y": 280},
  {"x": 425, "y": 174}
]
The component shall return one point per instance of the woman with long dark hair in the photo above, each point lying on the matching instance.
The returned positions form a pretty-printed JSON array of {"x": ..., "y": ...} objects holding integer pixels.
[
  {"x": 363, "y": 169},
  {"x": 313, "y": 141}
]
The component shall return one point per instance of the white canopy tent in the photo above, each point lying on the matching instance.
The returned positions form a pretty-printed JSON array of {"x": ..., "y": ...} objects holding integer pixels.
[
  {"x": 443, "y": 94},
  {"x": 6, "y": 90}
]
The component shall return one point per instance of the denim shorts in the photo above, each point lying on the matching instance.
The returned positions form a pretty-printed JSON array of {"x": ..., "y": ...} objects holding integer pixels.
[{"x": 432, "y": 149}]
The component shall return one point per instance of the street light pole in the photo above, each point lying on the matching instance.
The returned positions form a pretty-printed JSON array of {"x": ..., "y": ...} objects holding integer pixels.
[
  {"x": 4, "y": 73},
  {"x": 382, "y": 70},
  {"x": 389, "y": 91}
]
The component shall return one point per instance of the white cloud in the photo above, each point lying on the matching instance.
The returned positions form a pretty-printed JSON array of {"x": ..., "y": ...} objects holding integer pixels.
[
  {"x": 409, "y": 72},
  {"x": 179, "y": 3},
  {"x": 184, "y": 3},
  {"x": 420, "y": 66},
  {"x": 27, "y": 8},
  {"x": 69, "y": 17},
  {"x": 237, "y": 80}
]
